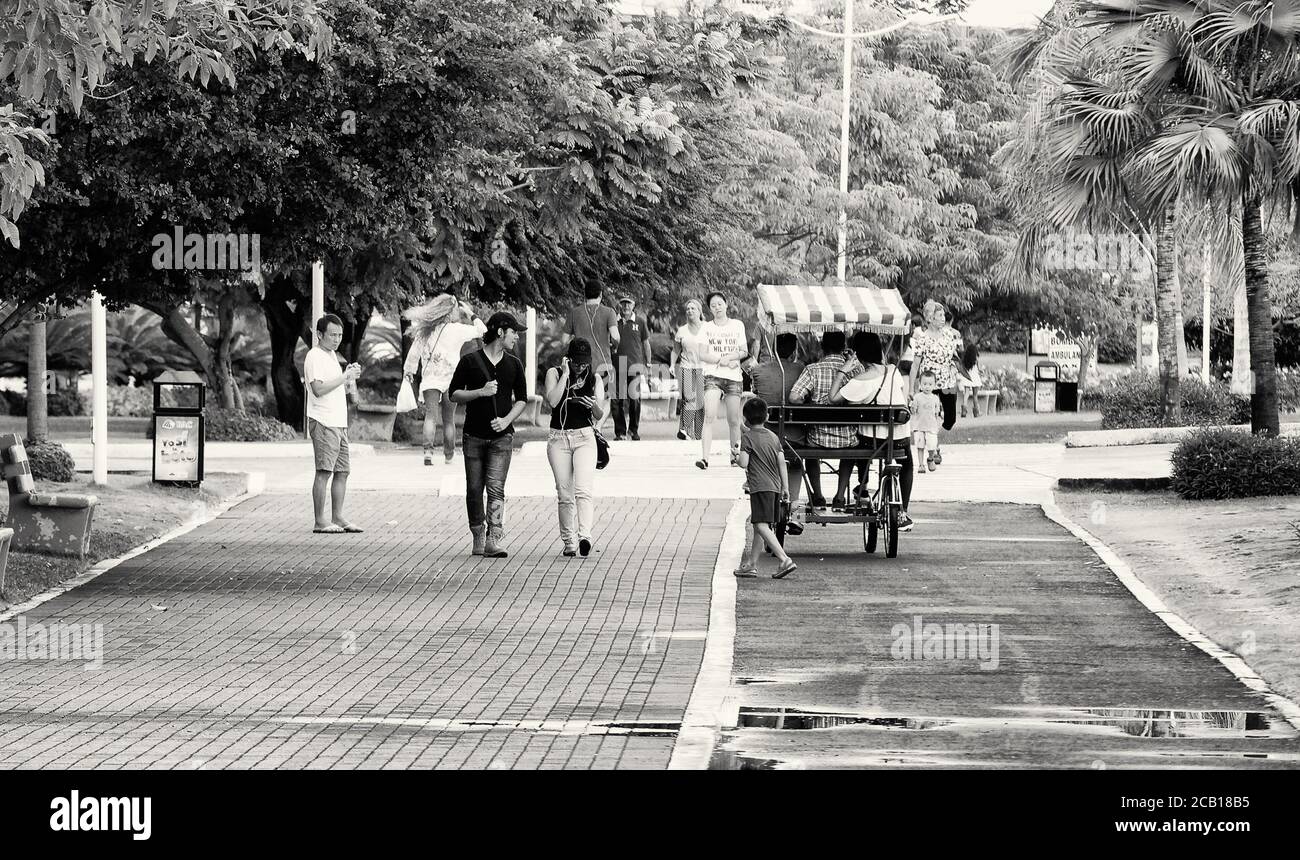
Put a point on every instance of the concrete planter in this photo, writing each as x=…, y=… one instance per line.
x=373, y=422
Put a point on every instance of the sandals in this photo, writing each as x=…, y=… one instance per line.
x=746, y=571
x=785, y=570
x=330, y=529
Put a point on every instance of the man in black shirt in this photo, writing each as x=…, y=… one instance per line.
x=490, y=381
x=633, y=361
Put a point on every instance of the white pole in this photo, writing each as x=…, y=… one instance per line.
x=317, y=298
x=1206, y=313
x=530, y=346
x=99, y=379
x=842, y=261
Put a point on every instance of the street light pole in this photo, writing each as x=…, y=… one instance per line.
x=848, y=36
x=842, y=260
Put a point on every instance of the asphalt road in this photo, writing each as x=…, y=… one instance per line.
x=1079, y=675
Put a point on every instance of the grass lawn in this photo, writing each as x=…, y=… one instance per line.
x=132, y=510
x=1231, y=569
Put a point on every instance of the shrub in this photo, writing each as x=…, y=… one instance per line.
x=257, y=401
x=1134, y=401
x=49, y=461
x=125, y=401
x=231, y=425
x=65, y=402
x=16, y=401
x=1216, y=463
x=1288, y=389
x=1015, y=387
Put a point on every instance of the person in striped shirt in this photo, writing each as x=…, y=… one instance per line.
x=814, y=387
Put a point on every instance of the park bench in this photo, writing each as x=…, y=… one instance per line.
x=986, y=400
x=53, y=523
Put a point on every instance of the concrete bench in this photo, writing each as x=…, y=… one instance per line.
x=52, y=523
x=6, y=538
x=986, y=400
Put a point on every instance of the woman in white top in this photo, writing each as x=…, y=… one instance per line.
x=685, y=363
x=439, y=332
x=872, y=382
x=725, y=348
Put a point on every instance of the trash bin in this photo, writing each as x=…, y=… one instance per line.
x=178, y=428
x=1067, y=396
x=1046, y=378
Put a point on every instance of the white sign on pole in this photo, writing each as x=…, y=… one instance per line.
x=1150, y=348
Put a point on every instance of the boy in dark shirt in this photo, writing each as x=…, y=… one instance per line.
x=760, y=457
x=490, y=381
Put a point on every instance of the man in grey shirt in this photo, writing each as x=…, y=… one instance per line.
x=599, y=325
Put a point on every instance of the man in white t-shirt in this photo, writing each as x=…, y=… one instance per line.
x=327, y=423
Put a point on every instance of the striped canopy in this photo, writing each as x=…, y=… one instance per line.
x=821, y=307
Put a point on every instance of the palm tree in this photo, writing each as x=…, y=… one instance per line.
x=1228, y=73
x=1080, y=148
x=38, y=415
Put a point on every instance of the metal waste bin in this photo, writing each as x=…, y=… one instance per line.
x=1046, y=378
x=178, y=428
x=1067, y=396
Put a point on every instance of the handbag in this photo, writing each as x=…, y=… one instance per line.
x=405, y=396
x=602, y=448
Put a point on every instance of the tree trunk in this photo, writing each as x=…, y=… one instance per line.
x=179, y=330
x=1264, y=416
x=287, y=326
x=1087, y=346
x=227, y=389
x=38, y=414
x=1169, y=302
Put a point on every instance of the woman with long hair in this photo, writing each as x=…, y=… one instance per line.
x=439, y=332
x=685, y=363
x=723, y=381
x=938, y=348
x=970, y=380
x=575, y=393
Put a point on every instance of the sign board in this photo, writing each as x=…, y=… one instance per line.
x=1150, y=348
x=177, y=444
x=1045, y=396
x=1069, y=356
x=1041, y=340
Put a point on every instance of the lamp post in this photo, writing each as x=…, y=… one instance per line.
x=848, y=36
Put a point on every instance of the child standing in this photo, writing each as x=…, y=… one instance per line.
x=760, y=457
x=926, y=411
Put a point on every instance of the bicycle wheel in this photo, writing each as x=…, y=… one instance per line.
x=891, y=531
x=870, y=533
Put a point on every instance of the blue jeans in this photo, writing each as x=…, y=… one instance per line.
x=487, y=462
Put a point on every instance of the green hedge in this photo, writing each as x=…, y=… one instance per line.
x=49, y=461
x=1215, y=463
x=230, y=425
x=1134, y=401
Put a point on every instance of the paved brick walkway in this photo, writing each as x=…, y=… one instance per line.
x=395, y=648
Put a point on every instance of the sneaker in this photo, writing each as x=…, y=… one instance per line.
x=701, y=464
x=618, y=438
x=794, y=528
x=785, y=570
x=837, y=503
x=904, y=522
x=746, y=571
x=933, y=464
x=681, y=434
x=584, y=547
x=569, y=552
x=636, y=437
x=938, y=457
x=818, y=502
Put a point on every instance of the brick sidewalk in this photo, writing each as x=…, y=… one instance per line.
x=394, y=648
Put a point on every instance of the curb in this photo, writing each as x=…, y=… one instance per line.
x=1289, y=710
x=85, y=451
x=713, y=705
x=254, y=485
x=1149, y=435
x=1144, y=484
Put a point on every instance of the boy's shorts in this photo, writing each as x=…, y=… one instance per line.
x=925, y=439
x=763, y=507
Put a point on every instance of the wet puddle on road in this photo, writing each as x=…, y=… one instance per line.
x=757, y=723
x=586, y=728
